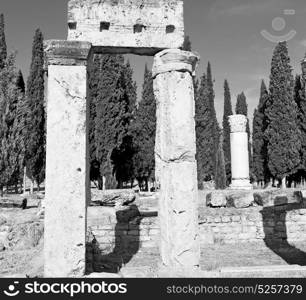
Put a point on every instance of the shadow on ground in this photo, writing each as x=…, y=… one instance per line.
x=127, y=244
x=275, y=229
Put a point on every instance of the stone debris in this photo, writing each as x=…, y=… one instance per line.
x=216, y=199
x=114, y=198
x=240, y=199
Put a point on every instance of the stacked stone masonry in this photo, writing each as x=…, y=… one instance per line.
x=140, y=230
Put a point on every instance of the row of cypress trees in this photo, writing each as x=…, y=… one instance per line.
x=22, y=115
x=122, y=131
x=279, y=147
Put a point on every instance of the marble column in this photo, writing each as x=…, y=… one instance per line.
x=239, y=153
x=176, y=166
x=67, y=162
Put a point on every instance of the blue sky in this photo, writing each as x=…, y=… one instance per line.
x=225, y=32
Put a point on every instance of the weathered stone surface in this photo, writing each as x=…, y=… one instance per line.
x=239, y=153
x=122, y=26
x=216, y=199
x=2, y=247
x=67, y=170
x=115, y=198
x=175, y=159
x=66, y=53
x=25, y=236
x=276, y=198
x=240, y=199
x=174, y=60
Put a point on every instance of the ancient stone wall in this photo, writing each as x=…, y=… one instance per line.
x=120, y=236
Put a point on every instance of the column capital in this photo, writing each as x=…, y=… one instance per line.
x=175, y=60
x=238, y=123
x=66, y=53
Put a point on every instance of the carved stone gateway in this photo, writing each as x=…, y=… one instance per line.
x=120, y=26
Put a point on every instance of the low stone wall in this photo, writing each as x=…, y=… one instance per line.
x=115, y=236
x=271, y=224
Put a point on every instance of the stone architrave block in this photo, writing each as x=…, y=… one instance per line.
x=142, y=27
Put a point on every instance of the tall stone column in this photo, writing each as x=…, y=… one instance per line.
x=67, y=163
x=239, y=153
x=176, y=166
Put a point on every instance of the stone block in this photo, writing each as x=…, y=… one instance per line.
x=216, y=199
x=19, y=202
x=226, y=219
x=276, y=198
x=236, y=218
x=115, y=198
x=240, y=199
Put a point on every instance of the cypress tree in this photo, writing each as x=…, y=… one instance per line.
x=144, y=131
x=113, y=115
x=259, y=165
x=3, y=47
x=20, y=82
x=215, y=126
x=300, y=99
x=242, y=109
x=123, y=155
x=205, y=139
x=282, y=132
x=9, y=97
x=220, y=179
x=94, y=76
x=35, y=156
x=228, y=111
x=21, y=125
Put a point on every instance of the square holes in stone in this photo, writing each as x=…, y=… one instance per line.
x=139, y=28
x=72, y=25
x=170, y=28
x=104, y=26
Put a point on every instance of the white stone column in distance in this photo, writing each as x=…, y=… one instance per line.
x=176, y=167
x=67, y=169
x=239, y=153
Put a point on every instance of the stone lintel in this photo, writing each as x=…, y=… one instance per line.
x=67, y=53
x=238, y=123
x=175, y=60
